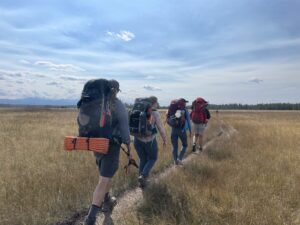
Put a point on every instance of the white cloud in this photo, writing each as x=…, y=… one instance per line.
x=23, y=61
x=150, y=77
x=122, y=35
x=151, y=88
x=53, y=84
x=58, y=67
x=11, y=74
x=69, y=78
x=255, y=80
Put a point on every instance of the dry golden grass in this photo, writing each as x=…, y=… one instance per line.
x=252, y=179
x=40, y=183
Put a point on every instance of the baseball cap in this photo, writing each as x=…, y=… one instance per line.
x=183, y=100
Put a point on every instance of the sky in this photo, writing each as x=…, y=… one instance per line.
x=235, y=51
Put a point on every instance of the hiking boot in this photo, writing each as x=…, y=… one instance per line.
x=180, y=163
x=196, y=152
x=89, y=221
x=108, y=204
x=175, y=162
x=194, y=148
x=200, y=148
x=142, y=181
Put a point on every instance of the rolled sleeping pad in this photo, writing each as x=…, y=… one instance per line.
x=100, y=145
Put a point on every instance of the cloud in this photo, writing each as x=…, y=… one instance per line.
x=53, y=83
x=39, y=75
x=69, y=78
x=151, y=88
x=10, y=74
x=122, y=35
x=255, y=80
x=58, y=67
x=150, y=77
x=23, y=61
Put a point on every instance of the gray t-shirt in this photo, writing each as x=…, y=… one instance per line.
x=120, y=121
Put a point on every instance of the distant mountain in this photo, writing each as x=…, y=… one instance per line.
x=39, y=101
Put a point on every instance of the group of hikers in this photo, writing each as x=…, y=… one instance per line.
x=102, y=114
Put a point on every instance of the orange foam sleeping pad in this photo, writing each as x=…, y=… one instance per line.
x=100, y=145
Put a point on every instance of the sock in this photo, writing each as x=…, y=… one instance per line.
x=194, y=140
x=94, y=209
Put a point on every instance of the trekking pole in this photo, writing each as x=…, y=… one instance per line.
x=131, y=161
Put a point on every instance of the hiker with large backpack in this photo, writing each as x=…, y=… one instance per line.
x=179, y=121
x=102, y=114
x=144, y=121
x=199, y=116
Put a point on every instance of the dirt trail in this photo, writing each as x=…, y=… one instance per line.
x=131, y=198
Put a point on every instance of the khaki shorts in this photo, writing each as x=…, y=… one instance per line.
x=198, y=128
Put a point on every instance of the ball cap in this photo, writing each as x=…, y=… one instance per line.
x=183, y=100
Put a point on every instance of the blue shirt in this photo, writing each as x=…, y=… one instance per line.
x=187, y=125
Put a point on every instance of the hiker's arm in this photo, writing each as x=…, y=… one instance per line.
x=160, y=127
x=188, y=121
x=123, y=123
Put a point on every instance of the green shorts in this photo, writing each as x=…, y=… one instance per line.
x=108, y=164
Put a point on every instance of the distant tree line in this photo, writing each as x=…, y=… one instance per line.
x=235, y=106
x=269, y=106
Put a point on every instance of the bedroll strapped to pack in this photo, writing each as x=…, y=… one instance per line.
x=140, y=117
x=176, y=113
x=100, y=145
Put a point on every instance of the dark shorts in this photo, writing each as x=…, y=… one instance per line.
x=108, y=164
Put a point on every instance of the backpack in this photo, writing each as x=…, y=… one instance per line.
x=140, y=118
x=199, y=114
x=176, y=114
x=94, y=117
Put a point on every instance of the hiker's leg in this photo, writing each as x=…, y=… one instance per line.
x=174, y=141
x=195, y=139
x=195, y=136
x=108, y=166
x=183, y=138
x=98, y=197
x=151, y=149
x=101, y=189
x=200, y=141
x=201, y=132
x=140, y=150
x=107, y=190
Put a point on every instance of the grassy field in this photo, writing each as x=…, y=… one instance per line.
x=253, y=178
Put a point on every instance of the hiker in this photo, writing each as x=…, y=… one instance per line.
x=199, y=116
x=179, y=120
x=146, y=144
x=108, y=163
